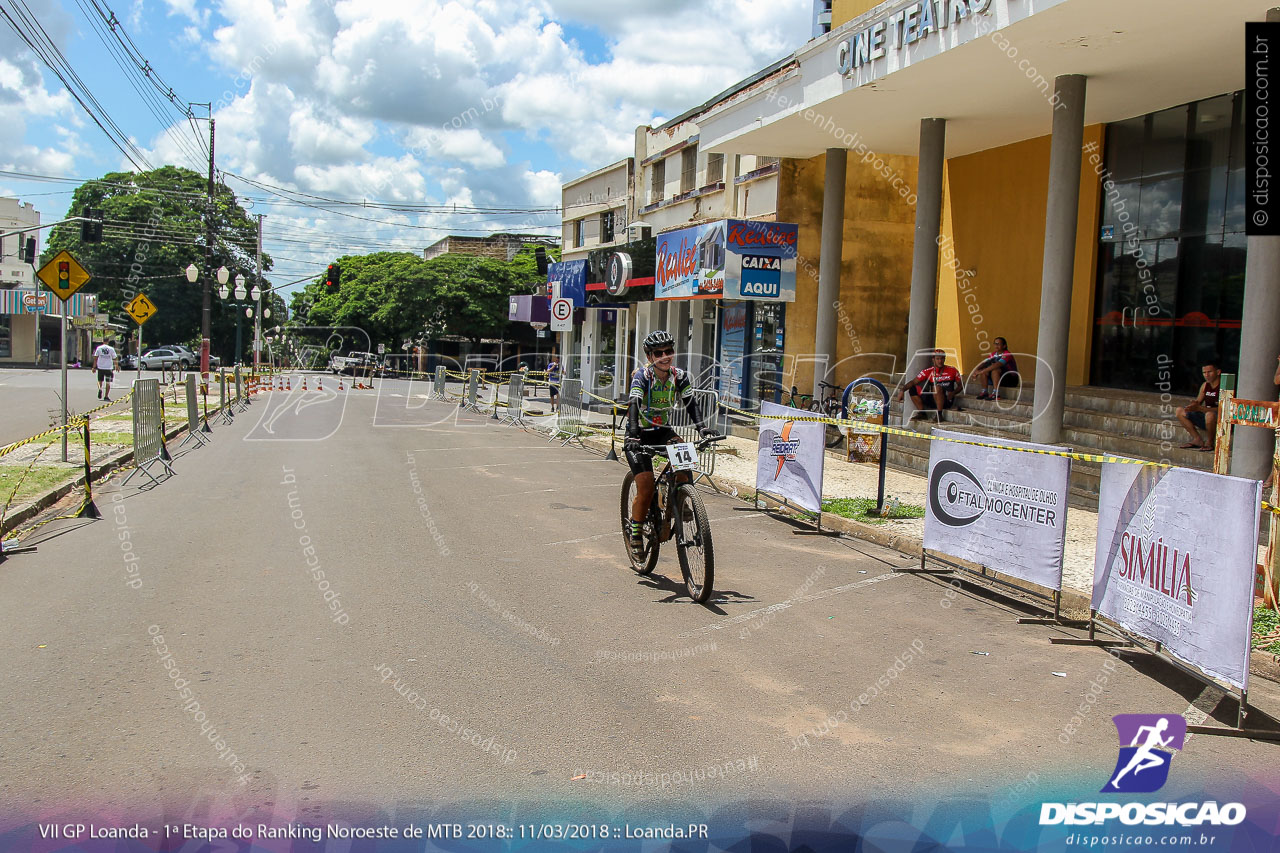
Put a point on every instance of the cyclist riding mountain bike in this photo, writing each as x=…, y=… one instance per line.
x=656, y=388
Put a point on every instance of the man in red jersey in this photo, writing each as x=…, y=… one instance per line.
x=934, y=388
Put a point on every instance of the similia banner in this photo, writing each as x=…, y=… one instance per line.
x=791, y=455
x=1176, y=556
x=997, y=507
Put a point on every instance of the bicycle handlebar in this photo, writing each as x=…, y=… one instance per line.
x=653, y=449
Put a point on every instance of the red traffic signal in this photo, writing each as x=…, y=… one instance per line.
x=333, y=278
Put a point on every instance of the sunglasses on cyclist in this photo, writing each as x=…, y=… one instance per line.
x=659, y=353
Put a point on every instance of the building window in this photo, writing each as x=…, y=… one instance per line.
x=606, y=227
x=715, y=168
x=764, y=162
x=658, y=181
x=688, y=168
x=577, y=233
x=1172, y=247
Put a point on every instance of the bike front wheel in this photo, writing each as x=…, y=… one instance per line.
x=644, y=561
x=693, y=543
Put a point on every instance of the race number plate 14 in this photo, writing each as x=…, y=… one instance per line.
x=684, y=457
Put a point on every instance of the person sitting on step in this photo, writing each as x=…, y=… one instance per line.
x=1202, y=412
x=997, y=368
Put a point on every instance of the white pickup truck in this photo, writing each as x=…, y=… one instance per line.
x=353, y=363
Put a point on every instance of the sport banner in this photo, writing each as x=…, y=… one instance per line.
x=1003, y=509
x=789, y=464
x=1176, y=555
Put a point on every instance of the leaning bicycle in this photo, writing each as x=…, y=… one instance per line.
x=676, y=512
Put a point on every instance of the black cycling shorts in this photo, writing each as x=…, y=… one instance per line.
x=641, y=462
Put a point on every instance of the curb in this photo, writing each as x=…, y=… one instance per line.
x=98, y=472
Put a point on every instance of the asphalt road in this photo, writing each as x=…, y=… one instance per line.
x=481, y=568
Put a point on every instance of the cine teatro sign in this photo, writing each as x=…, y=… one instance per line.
x=906, y=26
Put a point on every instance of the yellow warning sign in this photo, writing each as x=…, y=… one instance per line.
x=141, y=309
x=63, y=275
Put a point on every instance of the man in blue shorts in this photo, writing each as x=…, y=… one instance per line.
x=656, y=388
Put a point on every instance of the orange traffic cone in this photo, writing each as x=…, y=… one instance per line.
x=304, y=383
x=320, y=384
x=340, y=388
x=288, y=384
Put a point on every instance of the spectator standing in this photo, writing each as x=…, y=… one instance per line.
x=106, y=360
x=553, y=380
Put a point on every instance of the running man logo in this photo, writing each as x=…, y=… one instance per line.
x=1143, y=765
x=784, y=447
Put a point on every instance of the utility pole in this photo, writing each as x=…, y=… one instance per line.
x=257, y=317
x=208, y=265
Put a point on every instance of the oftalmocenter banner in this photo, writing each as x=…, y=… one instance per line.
x=1001, y=508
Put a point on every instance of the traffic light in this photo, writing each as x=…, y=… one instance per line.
x=91, y=226
x=540, y=256
x=333, y=279
x=27, y=253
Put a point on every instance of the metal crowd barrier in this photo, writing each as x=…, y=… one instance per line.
x=193, y=414
x=569, y=420
x=472, y=400
x=148, y=429
x=515, y=401
x=709, y=407
x=437, y=388
x=241, y=397
x=223, y=403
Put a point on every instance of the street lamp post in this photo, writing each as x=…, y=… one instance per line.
x=240, y=293
x=193, y=274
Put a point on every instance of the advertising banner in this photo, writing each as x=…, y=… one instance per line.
x=761, y=260
x=572, y=277
x=789, y=464
x=690, y=262
x=1176, y=555
x=1003, y=509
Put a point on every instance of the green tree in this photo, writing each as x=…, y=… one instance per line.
x=154, y=228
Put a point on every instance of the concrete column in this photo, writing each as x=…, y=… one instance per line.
x=1057, y=277
x=621, y=358
x=922, y=322
x=680, y=332
x=1252, y=449
x=698, y=365
x=829, y=263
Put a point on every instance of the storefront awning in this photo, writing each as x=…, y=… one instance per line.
x=990, y=75
x=42, y=302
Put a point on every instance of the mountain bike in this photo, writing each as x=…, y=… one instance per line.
x=800, y=401
x=829, y=408
x=676, y=511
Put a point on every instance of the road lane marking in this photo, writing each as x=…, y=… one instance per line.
x=783, y=605
x=492, y=447
x=572, y=488
x=618, y=532
x=1199, y=709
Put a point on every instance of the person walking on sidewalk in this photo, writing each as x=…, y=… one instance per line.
x=1202, y=412
x=107, y=361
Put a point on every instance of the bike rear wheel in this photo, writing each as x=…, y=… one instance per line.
x=645, y=561
x=693, y=543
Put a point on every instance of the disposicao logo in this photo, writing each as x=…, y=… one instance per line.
x=1148, y=743
x=1143, y=765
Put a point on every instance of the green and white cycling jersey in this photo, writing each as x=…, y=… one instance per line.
x=658, y=398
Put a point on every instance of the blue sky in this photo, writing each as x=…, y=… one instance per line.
x=484, y=102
